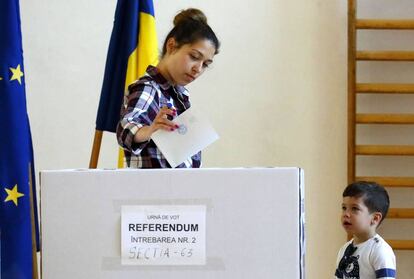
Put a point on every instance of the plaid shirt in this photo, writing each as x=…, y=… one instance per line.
x=145, y=98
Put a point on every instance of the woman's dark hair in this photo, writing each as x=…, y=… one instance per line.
x=190, y=26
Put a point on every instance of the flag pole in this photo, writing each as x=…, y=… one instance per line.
x=32, y=220
x=96, y=147
x=93, y=163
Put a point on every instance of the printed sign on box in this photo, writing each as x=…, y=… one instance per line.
x=163, y=235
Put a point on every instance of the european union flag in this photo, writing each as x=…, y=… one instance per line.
x=16, y=152
x=132, y=48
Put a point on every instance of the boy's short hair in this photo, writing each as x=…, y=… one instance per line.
x=374, y=196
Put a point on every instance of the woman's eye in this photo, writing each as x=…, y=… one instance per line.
x=194, y=57
x=205, y=65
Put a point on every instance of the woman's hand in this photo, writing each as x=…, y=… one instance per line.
x=161, y=121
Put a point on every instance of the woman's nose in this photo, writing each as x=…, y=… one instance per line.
x=197, y=68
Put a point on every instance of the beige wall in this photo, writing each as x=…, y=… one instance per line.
x=276, y=93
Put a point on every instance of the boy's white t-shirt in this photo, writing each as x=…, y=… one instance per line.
x=372, y=259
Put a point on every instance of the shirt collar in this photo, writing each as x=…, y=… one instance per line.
x=163, y=82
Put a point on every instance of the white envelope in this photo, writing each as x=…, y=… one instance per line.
x=194, y=134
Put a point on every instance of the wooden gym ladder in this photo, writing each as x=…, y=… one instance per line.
x=354, y=118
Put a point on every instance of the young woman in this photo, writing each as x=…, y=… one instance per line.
x=160, y=95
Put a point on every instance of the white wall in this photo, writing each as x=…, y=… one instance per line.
x=276, y=93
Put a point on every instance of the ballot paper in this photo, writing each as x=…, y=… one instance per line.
x=194, y=134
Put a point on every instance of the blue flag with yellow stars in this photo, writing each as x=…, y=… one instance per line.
x=16, y=154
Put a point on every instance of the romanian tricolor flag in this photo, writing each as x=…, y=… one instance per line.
x=17, y=199
x=132, y=48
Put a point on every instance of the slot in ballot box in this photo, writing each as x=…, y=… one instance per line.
x=180, y=223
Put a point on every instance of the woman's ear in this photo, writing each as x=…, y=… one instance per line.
x=171, y=45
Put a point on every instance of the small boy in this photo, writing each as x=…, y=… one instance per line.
x=366, y=255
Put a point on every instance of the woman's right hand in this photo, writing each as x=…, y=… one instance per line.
x=161, y=121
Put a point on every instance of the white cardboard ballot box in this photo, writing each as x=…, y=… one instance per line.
x=174, y=223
